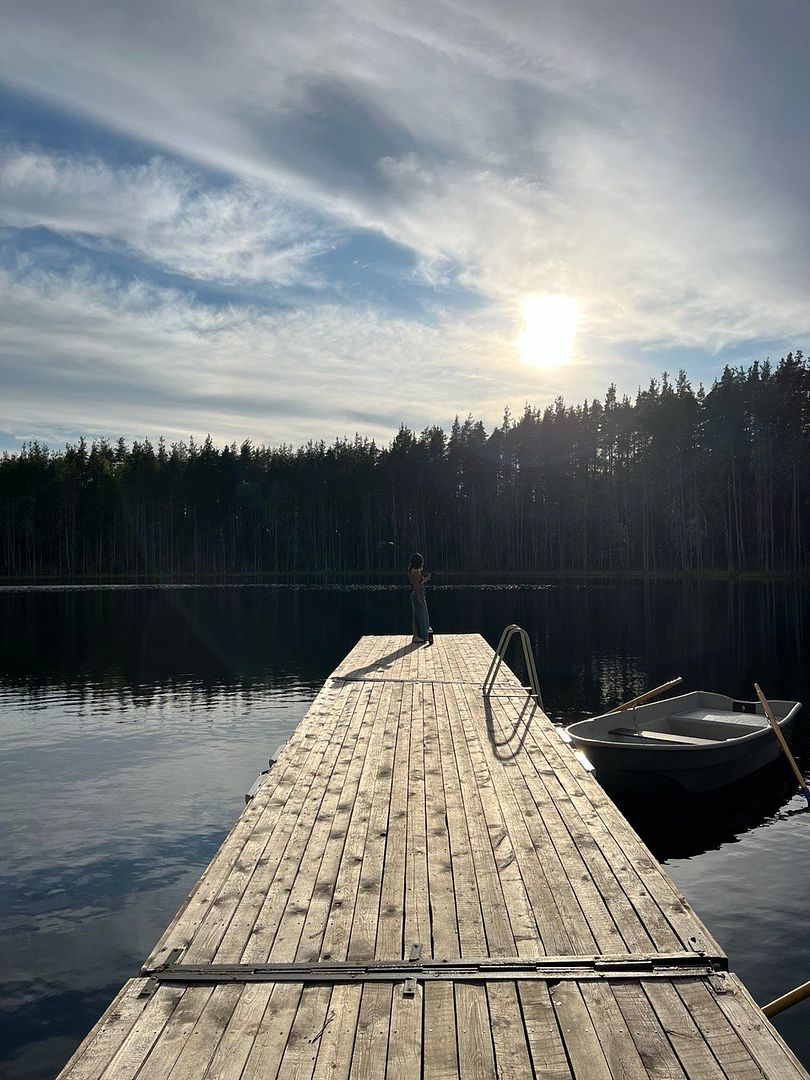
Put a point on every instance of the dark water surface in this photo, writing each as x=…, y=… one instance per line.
x=132, y=721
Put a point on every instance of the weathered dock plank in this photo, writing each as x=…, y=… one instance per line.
x=408, y=821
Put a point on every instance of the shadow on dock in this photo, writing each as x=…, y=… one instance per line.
x=384, y=663
x=507, y=749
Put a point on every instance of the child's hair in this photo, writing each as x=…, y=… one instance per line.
x=417, y=562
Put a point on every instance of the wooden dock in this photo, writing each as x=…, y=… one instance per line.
x=428, y=883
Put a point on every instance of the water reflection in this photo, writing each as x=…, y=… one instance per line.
x=677, y=825
x=133, y=720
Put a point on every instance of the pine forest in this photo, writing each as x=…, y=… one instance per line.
x=675, y=480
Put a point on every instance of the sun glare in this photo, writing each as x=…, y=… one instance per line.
x=547, y=340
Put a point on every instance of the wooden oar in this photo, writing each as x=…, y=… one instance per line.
x=648, y=696
x=782, y=741
x=786, y=1000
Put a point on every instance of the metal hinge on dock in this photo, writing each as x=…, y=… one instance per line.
x=153, y=981
x=486, y=969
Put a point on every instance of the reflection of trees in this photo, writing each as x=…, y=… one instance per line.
x=601, y=643
x=674, y=480
x=183, y=641
x=597, y=643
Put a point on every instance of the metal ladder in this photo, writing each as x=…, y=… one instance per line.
x=533, y=689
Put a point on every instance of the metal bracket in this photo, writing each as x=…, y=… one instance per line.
x=275, y=754
x=257, y=783
x=172, y=956
x=720, y=984
x=698, y=945
x=639, y=965
x=416, y=952
x=486, y=969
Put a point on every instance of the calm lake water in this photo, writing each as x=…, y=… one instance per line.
x=132, y=721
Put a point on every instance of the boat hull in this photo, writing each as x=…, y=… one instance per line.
x=645, y=762
x=712, y=768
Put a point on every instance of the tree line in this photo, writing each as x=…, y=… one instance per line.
x=672, y=480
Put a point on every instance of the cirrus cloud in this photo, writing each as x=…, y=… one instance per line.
x=158, y=211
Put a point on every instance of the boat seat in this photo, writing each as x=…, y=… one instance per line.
x=751, y=721
x=663, y=736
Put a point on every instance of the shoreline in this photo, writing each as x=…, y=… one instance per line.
x=514, y=578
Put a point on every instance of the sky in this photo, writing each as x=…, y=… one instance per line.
x=292, y=221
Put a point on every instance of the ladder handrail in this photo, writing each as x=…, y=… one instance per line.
x=528, y=656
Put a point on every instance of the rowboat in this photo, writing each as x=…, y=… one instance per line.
x=698, y=741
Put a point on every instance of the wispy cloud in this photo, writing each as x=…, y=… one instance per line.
x=232, y=233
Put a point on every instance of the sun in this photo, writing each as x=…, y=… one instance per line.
x=547, y=340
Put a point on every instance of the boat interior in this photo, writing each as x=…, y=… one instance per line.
x=694, y=719
x=692, y=727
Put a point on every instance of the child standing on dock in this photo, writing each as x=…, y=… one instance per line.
x=422, y=631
